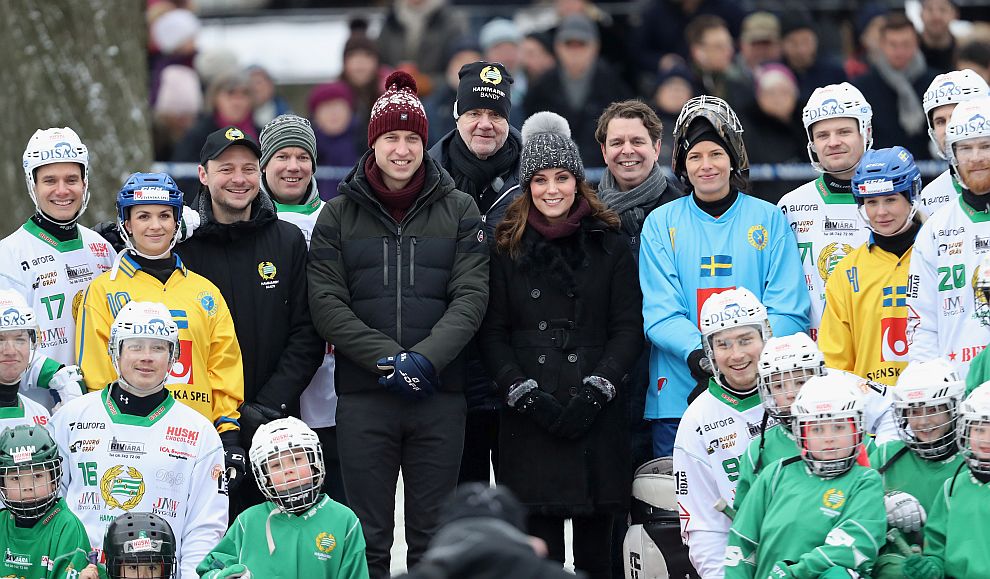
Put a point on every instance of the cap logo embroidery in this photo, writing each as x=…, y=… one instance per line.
x=233, y=134
x=403, y=116
x=491, y=75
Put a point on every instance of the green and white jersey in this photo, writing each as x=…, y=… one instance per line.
x=169, y=463
x=909, y=473
x=54, y=548
x=52, y=275
x=956, y=531
x=791, y=514
x=325, y=542
x=27, y=412
x=942, y=190
x=777, y=443
x=827, y=227
x=318, y=403
x=941, y=310
x=713, y=433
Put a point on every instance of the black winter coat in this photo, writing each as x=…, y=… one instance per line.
x=259, y=265
x=565, y=309
x=378, y=287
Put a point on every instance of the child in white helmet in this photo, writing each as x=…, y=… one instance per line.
x=955, y=538
x=820, y=515
x=299, y=531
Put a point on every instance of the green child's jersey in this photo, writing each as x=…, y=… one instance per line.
x=777, y=443
x=325, y=542
x=54, y=548
x=910, y=473
x=955, y=532
x=791, y=514
x=979, y=371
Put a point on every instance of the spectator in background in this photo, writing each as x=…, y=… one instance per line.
x=899, y=77
x=711, y=49
x=673, y=90
x=482, y=155
x=799, y=47
x=178, y=103
x=501, y=42
x=938, y=45
x=612, y=34
x=228, y=103
x=536, y=56
x=268, y=104
x=660, y=41
x=440, y=105
x=362, y=71
x=866, y=28
x=774, y=133
x=759, y=44
x=975, y=55
x=416, y=36
x=338, y=142
x=173, y=33
x=580, y=87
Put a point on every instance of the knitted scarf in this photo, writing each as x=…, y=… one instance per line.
x=396, y=202
x=565, y=228
x=473, y=175
x=631, y=205
x=910, y=113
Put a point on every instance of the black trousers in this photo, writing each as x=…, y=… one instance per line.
x=592, y=541
x=377, y=434
x=333, y=482
x=480, y=455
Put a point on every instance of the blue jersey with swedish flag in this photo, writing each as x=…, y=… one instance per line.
x=209, y=374
x=686, y=256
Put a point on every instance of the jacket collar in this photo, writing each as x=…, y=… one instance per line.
x=356, y=187
x=262, y=214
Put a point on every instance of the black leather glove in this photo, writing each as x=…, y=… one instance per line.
x=233, y=457
x=580, y=413
x=253, y=415
x=542, y=407
x=700, y=366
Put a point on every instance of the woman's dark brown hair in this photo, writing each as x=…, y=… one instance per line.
x=509, y=233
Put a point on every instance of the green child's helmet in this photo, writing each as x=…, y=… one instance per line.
x=24, y=451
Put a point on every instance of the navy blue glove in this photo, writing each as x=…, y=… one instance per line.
x=410, y=375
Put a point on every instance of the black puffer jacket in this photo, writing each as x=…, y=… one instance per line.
x=259, y=265
x=378, y=287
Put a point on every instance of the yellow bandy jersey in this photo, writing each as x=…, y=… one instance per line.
x=208, y=376
x=864, y=328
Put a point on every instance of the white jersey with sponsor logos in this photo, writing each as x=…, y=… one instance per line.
x=714, y=432
x=318, y=403
x=828, y=227
x=941, y=191
x=52, y=275
x=941, y=305
x=169, y=463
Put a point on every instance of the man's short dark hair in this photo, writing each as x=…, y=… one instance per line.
x=629, y=109
x=895, y=20
x=698, y=26
x=977, y=51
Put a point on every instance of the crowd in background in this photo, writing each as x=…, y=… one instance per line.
x=764, y=64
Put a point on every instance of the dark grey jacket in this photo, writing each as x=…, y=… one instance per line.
x=378, y=287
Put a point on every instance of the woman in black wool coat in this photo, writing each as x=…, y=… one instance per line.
x=564, y=324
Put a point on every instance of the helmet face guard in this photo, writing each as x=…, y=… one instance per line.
x=981, y=292
x=287, y=461
x=973, y=430
x=936, y=439
x=25, y=452
x=724, y=122
x=828, y=423
x=141, y=540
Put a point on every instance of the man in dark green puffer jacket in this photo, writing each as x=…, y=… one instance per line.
x=399, y=284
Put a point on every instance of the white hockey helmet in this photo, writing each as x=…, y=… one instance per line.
x=143, y=320
x=17, y=315
x=837, y=101
x=786, y=364
x=969, y=120
x=974, y=412
x=56, y=145
x=951, y=88
x=935, y=389
x=731, y=308
x=834, y=397
x=287, y=445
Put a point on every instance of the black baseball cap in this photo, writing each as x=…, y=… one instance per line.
x=218, y=141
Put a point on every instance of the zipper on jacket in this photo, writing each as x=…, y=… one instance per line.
x=385, y=258
x=412, y=262
x=398, y=284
